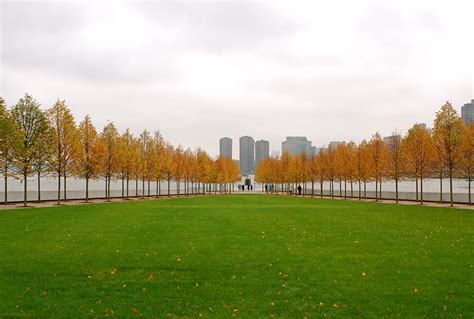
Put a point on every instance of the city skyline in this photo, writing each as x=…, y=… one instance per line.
x=174, y=67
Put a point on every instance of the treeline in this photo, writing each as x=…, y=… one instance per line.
x=445, y=151
x=50, y=143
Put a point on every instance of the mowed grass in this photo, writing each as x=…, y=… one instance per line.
x=249, y=256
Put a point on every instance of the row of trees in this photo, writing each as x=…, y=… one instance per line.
x=49, y=143
x=445, y=151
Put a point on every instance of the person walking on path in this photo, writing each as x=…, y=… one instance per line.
x=299, y=189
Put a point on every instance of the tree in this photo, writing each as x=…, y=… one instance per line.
x=419, y=150
x=9, y=141
x=41, y=164
x=449, y=132
x=468, y=157
x=32, y=125
x=90, y=152
x=65, y=142
x=109, y=138
x=396, y=160
x=378, y=161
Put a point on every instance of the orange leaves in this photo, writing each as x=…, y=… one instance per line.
x=150, y=277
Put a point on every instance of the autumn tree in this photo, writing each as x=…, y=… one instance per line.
x=65, y=141
x=419, y=151
x=468, y=158
x=396, y=160
x=90, y=152
x=32, y=125
x=9, y=142
x=449, y=132
x=109, y=137
x=378, y=160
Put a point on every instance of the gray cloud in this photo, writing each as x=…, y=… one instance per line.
x=201, y=70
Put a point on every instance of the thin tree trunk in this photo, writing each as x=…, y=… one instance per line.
x=451, y=186
x=59, y=187
x=345, y=189
x=469, y=187
x=65, y=186
x=128, y=182
x=440, y=186
x=416, y=189
x=168, y=187
x=359, y=191
x=25, y=190
x=136, y=186
x=87, y=189
x=396, y=189
x=376, y=189
x=421, y=187
x=39, y=186
x=6, y=187
x=123, y=186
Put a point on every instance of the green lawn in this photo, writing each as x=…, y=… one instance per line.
x=244, y=255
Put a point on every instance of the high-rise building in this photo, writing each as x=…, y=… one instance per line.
x=225, y=147
x=335, y=144
x=296, y=145
x=467, y=113
x=262, y=151
x=392, y=142
x=275, y=153
x=247, y=155
x=312, y=151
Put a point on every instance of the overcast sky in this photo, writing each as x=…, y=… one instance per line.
x=198, y=71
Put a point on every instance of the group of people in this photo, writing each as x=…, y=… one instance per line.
x=242, y=187
x=271, y=187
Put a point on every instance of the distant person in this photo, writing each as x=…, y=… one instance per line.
x=299, y=189
x=266, y=188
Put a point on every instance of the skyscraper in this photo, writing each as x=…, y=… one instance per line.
x=262, y=151
x=296, y=145
x=247, y=155
x=334, y=144
x=467, y=113
x=225, y=147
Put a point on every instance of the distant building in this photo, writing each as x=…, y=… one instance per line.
x=247, y=155
x=312, y=151
x=296, y=145
x=422, y=125
x=467, y=113
x=319, y=150
x=275, y=154
x=225, y=147
x=335, y=144
x=392, y=141
x=262, y=151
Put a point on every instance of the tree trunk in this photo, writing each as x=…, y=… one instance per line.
x=421, y=187
x=87, y=189
x=376, y=189
x=25, y=190
x=39, y=187
x=123, y=186
x=441, y=186
x=128, y=182
x=345, y=189
x=169, y=187
x=396, y=189
x=451, y=186
x=108, y=188
x=416, y=189
x=136, y=186
x=469, y=187
x=65, y=186
x=6, y=187
x=59, y=187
